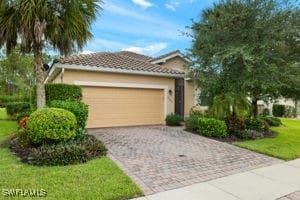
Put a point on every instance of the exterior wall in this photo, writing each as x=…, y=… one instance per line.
x=71, y=76
x=189, y=87
x=58, y=78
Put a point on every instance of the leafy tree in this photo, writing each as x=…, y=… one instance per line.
x=64, y=24
x=240, y=47
x=16, y=72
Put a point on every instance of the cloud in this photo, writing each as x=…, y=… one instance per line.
x=142, y=3
x=87, y=52
x=147, y=50
x=172, y=5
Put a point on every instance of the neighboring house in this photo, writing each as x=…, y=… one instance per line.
x=125, y=88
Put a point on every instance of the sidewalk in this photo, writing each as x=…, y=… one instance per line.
x=280, y=181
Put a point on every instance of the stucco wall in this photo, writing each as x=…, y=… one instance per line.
x=70, y=76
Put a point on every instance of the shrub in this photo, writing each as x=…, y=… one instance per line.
x=266, y=112
x=5, y=99
x=191, y=123
x=250, y=134
x=255, y=124
x=272, y=121
x=79, y=109
x=173, y=119
x=15, y=108
x=211, y=127
x=64, y=153
x=197, y=112
x=278, y=110
x=51, y=125
x=235, y=124
x=59, y=91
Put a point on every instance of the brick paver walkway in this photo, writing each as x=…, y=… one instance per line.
x=160, y=158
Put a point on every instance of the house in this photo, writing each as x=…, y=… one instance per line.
x=126, y=88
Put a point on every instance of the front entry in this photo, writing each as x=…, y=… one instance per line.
x=179, y=96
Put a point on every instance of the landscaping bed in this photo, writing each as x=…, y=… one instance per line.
x=99, y=178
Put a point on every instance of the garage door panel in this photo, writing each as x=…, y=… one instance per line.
x=110, y=106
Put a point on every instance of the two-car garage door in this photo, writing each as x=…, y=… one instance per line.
x=115, y=106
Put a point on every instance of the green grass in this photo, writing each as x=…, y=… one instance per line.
x=286, y=145
x=98, y=179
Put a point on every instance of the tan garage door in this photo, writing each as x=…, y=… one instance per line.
x=111, y=106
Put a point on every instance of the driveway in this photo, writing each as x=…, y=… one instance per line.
x=160, y=158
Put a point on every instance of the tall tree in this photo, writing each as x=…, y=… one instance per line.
x=64, y=24
x=239, y=47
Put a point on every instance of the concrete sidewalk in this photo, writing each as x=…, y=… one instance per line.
x=268, y=183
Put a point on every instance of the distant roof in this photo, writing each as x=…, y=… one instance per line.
x=123, y=60
x=168, y=56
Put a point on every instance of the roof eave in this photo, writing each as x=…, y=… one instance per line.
x=110, y=70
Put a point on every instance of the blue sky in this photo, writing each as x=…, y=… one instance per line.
x=150, y=27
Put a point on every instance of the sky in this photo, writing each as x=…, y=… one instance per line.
x=150, y=27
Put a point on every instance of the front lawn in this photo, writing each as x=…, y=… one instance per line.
x=286, y=145
x=97, y=179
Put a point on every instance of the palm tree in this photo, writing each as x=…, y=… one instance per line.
x=64, y=24
x=229, y=104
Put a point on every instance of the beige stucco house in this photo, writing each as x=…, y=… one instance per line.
x=128, y=89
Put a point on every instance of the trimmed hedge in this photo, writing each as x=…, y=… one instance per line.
x=211, y=127
x=13, y=109
x=6, y=99
x=79, y=109
x=64, y=153
x=278, y=110
x=59, y=91
x=173, y=119
x=50, y=125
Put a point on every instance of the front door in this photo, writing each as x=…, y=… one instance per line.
x=179, y=96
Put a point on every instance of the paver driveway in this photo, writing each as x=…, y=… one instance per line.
x=160, y=158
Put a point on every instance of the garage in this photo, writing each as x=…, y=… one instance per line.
x=119, y=106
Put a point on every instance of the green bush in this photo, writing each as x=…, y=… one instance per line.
x=197, y=112
x=64, y=153
x=256, y=124
x=15, y=108
x=250, y=134
x=191, y=123
x=5, y=99
x=59, y=91
x=51, y=125
x=272, y=121
x=79, y=109
x=173, y=119
x=235, y=124
x=266, y=112
x=211, y=127
x=278, y=110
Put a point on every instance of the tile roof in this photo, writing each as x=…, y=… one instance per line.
x=123, y=60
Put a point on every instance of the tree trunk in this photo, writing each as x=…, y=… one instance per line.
x=39, y=28
x=39, y=77
x=254, y=108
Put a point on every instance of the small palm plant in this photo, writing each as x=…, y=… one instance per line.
x=229, y=104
